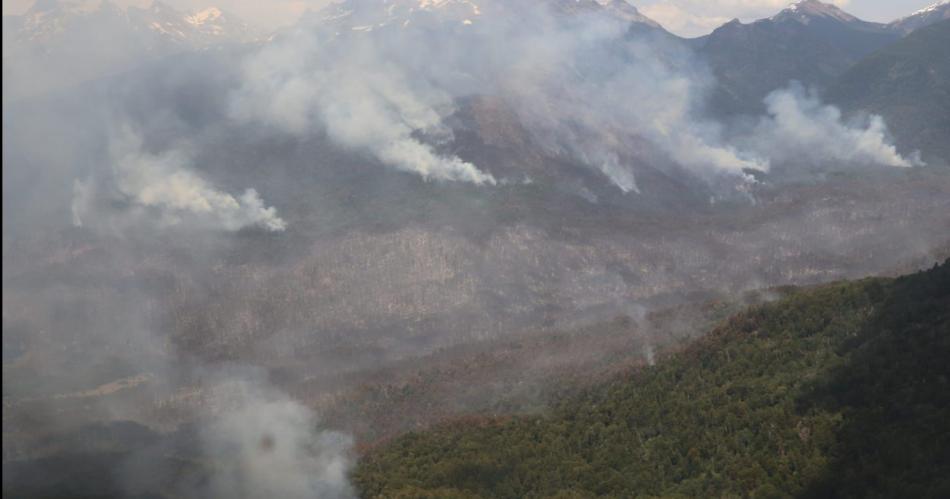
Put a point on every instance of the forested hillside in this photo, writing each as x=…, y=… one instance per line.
x=908, y=83
x=837, y=391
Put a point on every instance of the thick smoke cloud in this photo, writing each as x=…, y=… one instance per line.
x=361, y=100
x=588, y=91
x=585, y=86
x=596, y=90
x=800, y=128
x=265, y=444
x=162, y=188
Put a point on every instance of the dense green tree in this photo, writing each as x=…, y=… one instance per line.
x=837, y=391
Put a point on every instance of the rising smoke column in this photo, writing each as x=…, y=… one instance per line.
x=161, y=187
x=800, y=128
x=305, y=82
x=583, y=85
x=265, y=444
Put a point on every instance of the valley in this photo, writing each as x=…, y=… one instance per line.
x=472, y=249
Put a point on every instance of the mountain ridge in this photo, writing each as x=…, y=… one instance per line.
x=46, y=20
x=810, y=42
x=363, y=15
x=922, y=18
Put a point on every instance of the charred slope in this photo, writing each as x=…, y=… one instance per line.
x=837, y=391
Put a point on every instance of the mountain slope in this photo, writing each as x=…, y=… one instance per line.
x=811, y=42
x=366, y=15
x=937, y=12
x=907, y=83
x=838, y=391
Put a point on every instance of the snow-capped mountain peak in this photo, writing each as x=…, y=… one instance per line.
x=215, y=23
x=55, y=22
x=204, y=16
x=368, y=15
x=933, y=8
x=805, y=11
x=923, y=17
x=624, y=10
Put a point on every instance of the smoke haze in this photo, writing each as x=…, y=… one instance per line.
x=254, y=249
x=801, y=128
x=162, y=190
x=266, y=445
x=586, y=86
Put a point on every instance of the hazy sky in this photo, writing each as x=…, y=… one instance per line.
x=684, y=17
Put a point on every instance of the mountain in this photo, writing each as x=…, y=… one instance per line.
x=58, y=42
x=908, y=83
x=814, y=11
x=216, y=25
x=811, y=42
x=393, y=297
x=366, y=15
x=624, y=10
x=937, y=12
x=199, y=29
x=52, y=23
x=836, y=391
x=477, y=50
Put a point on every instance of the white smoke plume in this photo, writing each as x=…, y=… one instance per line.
x=582, y=84
x=800, y=128
x=162, y=186
x=362, y=101
x=597, y=91
x=265, y=444
x=82, y=201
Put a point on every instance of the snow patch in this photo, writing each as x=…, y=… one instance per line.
x=204, y=16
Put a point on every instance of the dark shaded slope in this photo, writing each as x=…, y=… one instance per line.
x=752, y=60
x=894, y=396
x=909, y=84
x=837, y=391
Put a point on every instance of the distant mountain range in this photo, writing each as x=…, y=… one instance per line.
x=57, y=43
x=366, y=15
x=810, y=41
x=49, y=24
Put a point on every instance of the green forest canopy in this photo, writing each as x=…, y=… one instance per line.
x=837, y=391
